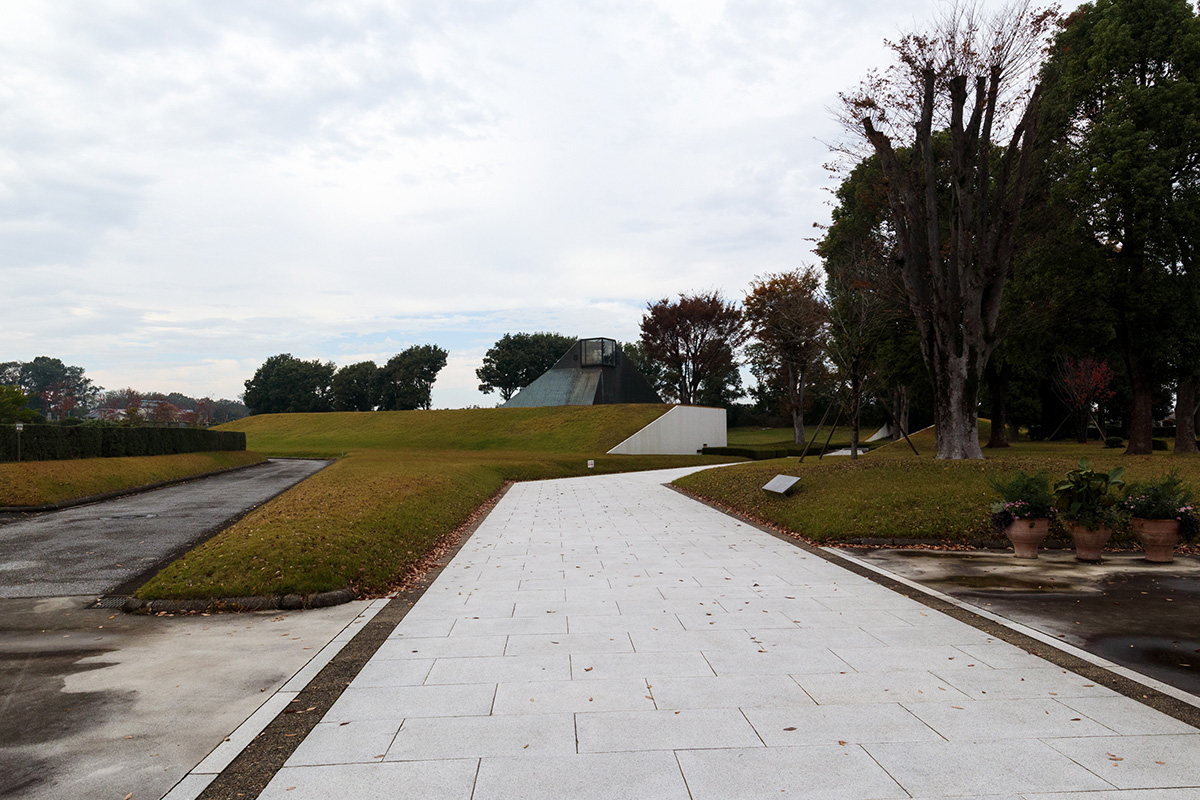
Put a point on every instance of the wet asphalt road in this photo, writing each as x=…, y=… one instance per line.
x=109, y=547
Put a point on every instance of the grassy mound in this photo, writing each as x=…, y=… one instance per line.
x=565, y=429
x=408, y=479
x=35, y=483
x=892, y=493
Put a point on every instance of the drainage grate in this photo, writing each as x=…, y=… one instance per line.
x=111, y=601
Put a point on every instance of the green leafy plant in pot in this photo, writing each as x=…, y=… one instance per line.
x=1023, y=511
x=1087, y=503
x=1163, y=513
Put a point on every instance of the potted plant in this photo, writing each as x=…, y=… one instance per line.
x=1163, y=513
x=1023, y=511
x=1087, y=504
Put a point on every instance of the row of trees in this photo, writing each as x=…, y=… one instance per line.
x=286, y=384
x=47, y=389
x=1074, y=238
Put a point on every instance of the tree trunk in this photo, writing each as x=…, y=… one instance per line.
x=855, y=406
x=899, y=412
x=796, y=390
x=1185, y=415
x=997, y=383
x=955, y=406
x=1141, y=412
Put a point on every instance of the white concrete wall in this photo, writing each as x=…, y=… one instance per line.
x=681, y=431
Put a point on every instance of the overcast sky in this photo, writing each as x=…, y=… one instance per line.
x=187, y=188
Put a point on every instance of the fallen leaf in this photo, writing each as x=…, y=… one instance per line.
x=792, y=728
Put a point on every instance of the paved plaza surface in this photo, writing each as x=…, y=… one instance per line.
x=96, y=703
x=607, y=637
x=95, y=548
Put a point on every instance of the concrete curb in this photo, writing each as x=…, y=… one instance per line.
x=149, y=487
x=285, y=602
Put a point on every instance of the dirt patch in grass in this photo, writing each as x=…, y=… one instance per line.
x=36, y=483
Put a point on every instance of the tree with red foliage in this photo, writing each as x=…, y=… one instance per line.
x=695, y=339
x=1082, y=384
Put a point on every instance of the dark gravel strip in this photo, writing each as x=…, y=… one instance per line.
x=249, y=773
x=1172, y=707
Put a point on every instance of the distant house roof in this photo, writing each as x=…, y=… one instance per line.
x=592, y=372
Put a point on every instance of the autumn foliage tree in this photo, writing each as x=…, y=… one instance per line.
x=695, y=339
x=955, y=196
x=1082, y=384
x=786, y=315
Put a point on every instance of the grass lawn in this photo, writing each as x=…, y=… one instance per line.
x=407, y=479
x=35, y=483
x=891, y=492
x=784, y=437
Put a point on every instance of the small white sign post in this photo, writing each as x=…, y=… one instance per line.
x=20, y=426
x=780, y=484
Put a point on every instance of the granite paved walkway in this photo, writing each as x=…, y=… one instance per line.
x=606, y=637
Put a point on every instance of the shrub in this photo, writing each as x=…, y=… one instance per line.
x=1113, y=442
x=57, y=443
x=1023, y=496
x=1158, y=444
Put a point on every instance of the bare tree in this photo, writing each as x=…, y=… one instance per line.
x=787, y=316
x=955, y=196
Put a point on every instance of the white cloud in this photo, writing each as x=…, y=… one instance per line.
x=188, y=188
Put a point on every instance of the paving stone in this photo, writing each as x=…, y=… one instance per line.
x=549, y=643
x=500, y=668
x=441, y=647
x=542, y=697
x=438, y=780
x=395, y=672
x=686, y=729
x=1006, y=719
x=1138, y=762
x=874, y=687
x=821, y=773
x=360, y=703
x=587, y=776
x=946, y=769
x=736, y=691
x=526, y=736
x=1006, y=684
x=359, y=742
x=602, y=666
x=790, y=726
x=1125, y=715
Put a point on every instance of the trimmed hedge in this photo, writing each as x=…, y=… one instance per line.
x=58, y=443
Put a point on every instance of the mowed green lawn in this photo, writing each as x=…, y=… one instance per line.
x=408, y=478
x=892, y=493
x=35, y=483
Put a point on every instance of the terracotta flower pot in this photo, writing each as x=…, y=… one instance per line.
x=1089, y=542
x=1158, y=537
x=1026, y=535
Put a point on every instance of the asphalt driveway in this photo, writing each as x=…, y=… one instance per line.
x=109, y=547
